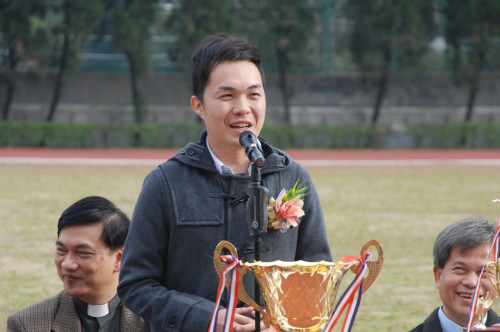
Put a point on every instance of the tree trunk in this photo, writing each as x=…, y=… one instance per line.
x=9, y=79
x=282, y=68
x=474, y=87
x=59, y=78
x=9, y=96
x=471, y=101
x=382, y=87
x=136, y=95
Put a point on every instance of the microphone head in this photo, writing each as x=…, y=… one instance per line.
x=246, y=137
x=253, y=148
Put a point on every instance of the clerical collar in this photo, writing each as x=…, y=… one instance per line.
x=450, y=326
x=97, y=310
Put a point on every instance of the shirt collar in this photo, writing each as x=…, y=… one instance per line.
x=99, y=310
x=221, y=168
x=450, y=326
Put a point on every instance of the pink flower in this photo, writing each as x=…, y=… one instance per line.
x=286, y=210
x=291, y=210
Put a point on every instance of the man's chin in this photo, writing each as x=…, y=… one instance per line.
x=73, y=291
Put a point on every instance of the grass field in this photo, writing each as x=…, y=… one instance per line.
x=403, y=207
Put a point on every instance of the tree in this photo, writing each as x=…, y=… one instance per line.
x=388, y=33
x=191, y=20
x=283, y=33
x=132, y=23
x=77, y=19
x=472, y=30
x=23, y=35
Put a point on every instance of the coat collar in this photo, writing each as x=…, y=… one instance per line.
x=431, y=324
x=198, y=155
x=67, y=319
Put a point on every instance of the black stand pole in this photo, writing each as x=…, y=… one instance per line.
x=257, y=222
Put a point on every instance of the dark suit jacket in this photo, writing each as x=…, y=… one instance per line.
x=58, y=314
x=432, y=324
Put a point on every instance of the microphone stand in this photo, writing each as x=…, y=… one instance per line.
x=257, y=222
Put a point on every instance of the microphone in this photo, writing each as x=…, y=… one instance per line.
x=253, y=149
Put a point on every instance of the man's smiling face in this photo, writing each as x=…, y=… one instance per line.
x=233, y=102
x=457, y=280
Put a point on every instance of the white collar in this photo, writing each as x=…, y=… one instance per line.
x=97, y=310
x=218, y=163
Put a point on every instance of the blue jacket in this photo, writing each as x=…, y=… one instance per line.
x=184, y=210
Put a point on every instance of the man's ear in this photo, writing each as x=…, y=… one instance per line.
x=197, y=106
x=437, y=276
x=118, y=262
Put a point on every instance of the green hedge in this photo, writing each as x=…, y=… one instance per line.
x=324, y=136
x=453, y=135
x=76, y=135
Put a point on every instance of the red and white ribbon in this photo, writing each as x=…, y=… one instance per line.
x=232, y=299
x=351, y=297
x=475, y=297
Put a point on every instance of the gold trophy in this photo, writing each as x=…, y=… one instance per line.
x=484, y=304
x=299, y=295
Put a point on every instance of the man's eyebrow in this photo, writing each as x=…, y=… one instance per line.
x=230, y=88
x=461, y=263
x=83, y=246
x=226, y=88
x=255, y=86
x=78, y=246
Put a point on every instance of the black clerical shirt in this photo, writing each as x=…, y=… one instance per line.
x=106, y=323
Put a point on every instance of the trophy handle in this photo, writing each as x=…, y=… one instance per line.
x=493, y=283
x=374, y=267
x=242, y=293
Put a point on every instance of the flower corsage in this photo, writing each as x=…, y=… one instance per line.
x=286, y=210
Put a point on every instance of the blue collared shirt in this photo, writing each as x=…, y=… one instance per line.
x=221, y=168
x=450, y=326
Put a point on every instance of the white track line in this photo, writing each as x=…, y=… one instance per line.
x=310, y=163
x=80, y=161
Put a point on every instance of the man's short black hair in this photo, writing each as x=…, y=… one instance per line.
x=215, y=49
x=96, y=209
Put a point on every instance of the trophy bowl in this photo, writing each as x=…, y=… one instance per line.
x=298, y=295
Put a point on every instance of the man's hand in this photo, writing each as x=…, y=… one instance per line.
x=242, y=321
